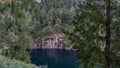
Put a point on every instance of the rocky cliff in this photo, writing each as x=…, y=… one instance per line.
x=55, y=41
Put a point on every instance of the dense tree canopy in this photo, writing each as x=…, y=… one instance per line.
x=26, y=22
x=89, y=33
x=16, y=25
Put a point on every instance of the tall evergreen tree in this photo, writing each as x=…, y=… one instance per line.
x=108, y=33
x=16, y=26
x=89, y=33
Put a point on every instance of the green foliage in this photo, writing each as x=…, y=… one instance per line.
x=54, y=17
x=16, y=25
x=22, y=25
x=88, y=34
x=8, y=63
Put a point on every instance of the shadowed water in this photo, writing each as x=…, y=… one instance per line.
x=54, y=58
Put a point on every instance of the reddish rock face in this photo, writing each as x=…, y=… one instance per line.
x=55, y=41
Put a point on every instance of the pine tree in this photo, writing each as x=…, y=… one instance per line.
x=108, y=34
x=89, y=34
x=16, y=26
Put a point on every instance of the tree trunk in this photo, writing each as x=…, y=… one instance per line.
x=107, y=48
x=85, y=63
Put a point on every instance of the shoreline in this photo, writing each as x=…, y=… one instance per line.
x=51, y=49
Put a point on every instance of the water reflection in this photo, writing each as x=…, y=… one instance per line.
x=54, y=58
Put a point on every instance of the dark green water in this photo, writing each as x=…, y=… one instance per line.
x=54, y=58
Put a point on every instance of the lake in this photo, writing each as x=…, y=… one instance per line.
x=54, y=58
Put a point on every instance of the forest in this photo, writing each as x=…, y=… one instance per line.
x=90, y=27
